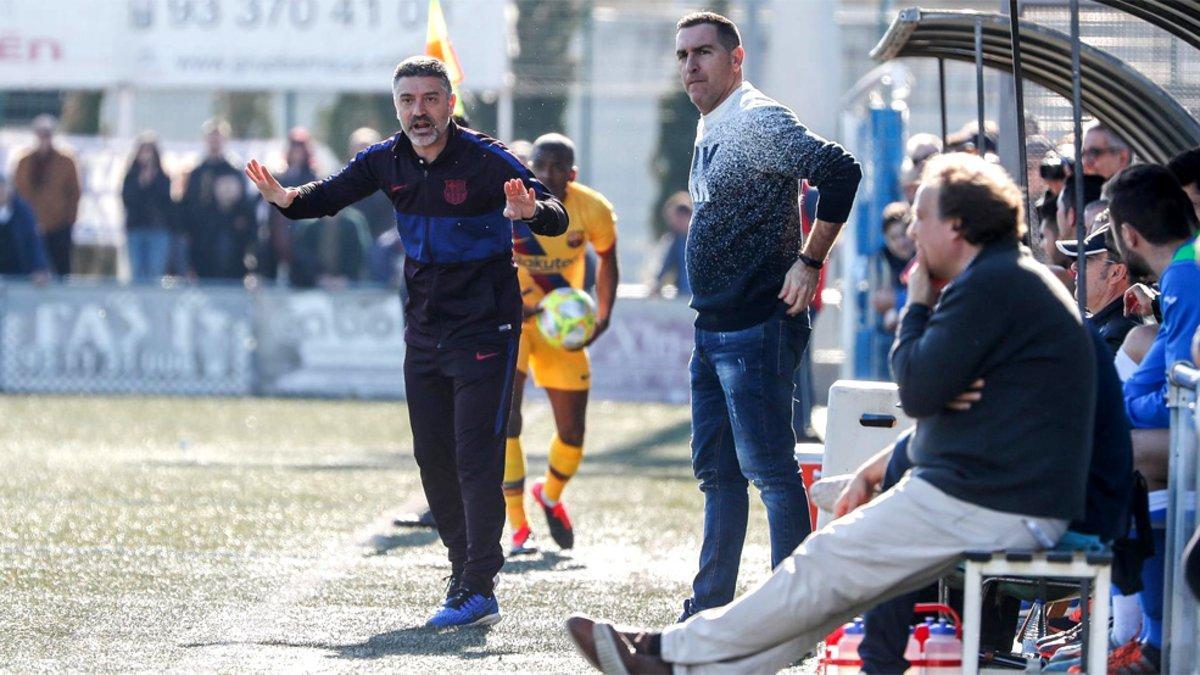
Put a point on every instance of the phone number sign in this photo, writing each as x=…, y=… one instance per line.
x=304, y=45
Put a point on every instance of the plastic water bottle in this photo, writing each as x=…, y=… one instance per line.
x=914, y=653
x=827, y=665
x=943, y=650
x=847, y=653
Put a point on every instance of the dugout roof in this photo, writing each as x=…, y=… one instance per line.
x=1181, y=18
x=1140, y=111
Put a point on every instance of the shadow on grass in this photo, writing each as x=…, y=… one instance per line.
x=423, y=642
x=382, y=544
x=464, y=643
x=542, y=561
x=643, y=453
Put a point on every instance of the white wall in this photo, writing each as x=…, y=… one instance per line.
x=802, y=67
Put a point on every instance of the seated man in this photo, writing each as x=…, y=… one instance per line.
x=1155, y=225
x=1107, y=512
x=1106, y=279
x=978, y=474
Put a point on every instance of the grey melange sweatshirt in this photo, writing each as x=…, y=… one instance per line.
x=751, y=152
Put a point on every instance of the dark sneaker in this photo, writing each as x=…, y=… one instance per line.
x=416, y=520
x=464, y=607
x=611, y=651
x=556, y=518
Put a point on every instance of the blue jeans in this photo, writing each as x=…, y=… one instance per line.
x=742, y=433
x=804, y=398
x=148, y=253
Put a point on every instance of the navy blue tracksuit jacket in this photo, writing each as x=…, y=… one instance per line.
x=462, y=320
x=462, y=284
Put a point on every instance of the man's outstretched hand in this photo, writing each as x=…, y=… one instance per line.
x=520, y=204
x=270, y=188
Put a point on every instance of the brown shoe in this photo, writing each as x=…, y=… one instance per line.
x=610, y=651
x=580, y=630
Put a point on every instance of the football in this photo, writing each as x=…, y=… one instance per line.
x=567, y=318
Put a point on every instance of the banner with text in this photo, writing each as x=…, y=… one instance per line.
x=644, y=355
x=126, y=340
x=330, y=344
x=228, y=341
x=303, y=45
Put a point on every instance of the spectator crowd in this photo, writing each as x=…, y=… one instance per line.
x=1138, y=289
x=987, y=336
x=203, y=225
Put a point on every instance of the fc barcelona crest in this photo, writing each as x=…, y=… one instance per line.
x=455, y=191
x=575, y=239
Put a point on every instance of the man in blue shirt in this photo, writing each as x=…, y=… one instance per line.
x=1155, y=224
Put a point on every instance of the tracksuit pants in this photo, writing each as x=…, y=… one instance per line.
x=458, y=404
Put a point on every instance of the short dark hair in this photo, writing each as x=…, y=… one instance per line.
x=896, y=212
x=422, y=66
x=1186, y=166
x=556, y=144
x=1148, y=198
x=679, y=200
x=727, y=31
x=986, y=201
x=1092, y=186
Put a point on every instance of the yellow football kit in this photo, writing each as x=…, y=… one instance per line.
x=543, y=264
x=546, y=263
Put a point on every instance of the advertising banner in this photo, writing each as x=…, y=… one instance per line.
x=644, y=355
x=227, y=341
x=126, y=340
x=348, y=343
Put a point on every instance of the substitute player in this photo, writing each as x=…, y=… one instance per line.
x=457, y=194
x=547, y=263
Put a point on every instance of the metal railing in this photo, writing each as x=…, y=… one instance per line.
x=1181, y=613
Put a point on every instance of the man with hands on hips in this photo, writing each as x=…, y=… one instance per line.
x=752, y=275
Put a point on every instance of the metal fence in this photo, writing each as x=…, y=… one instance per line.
x=227, y=341
x=1181, y=613
x=1163, y=58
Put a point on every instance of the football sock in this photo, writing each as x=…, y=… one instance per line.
x=564, y=462
x=1127, y=617
x=514, y=483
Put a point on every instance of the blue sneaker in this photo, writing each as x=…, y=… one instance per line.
x=465, y=607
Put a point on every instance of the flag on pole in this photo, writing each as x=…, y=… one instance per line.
x=439, y=46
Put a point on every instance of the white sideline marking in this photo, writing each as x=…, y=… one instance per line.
x=231, y=629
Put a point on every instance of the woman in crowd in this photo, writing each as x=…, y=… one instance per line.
x=146, y=194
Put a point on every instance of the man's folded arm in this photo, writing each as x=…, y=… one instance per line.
x=938, y=354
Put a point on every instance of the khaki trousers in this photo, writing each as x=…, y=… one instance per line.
x=904, y=539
